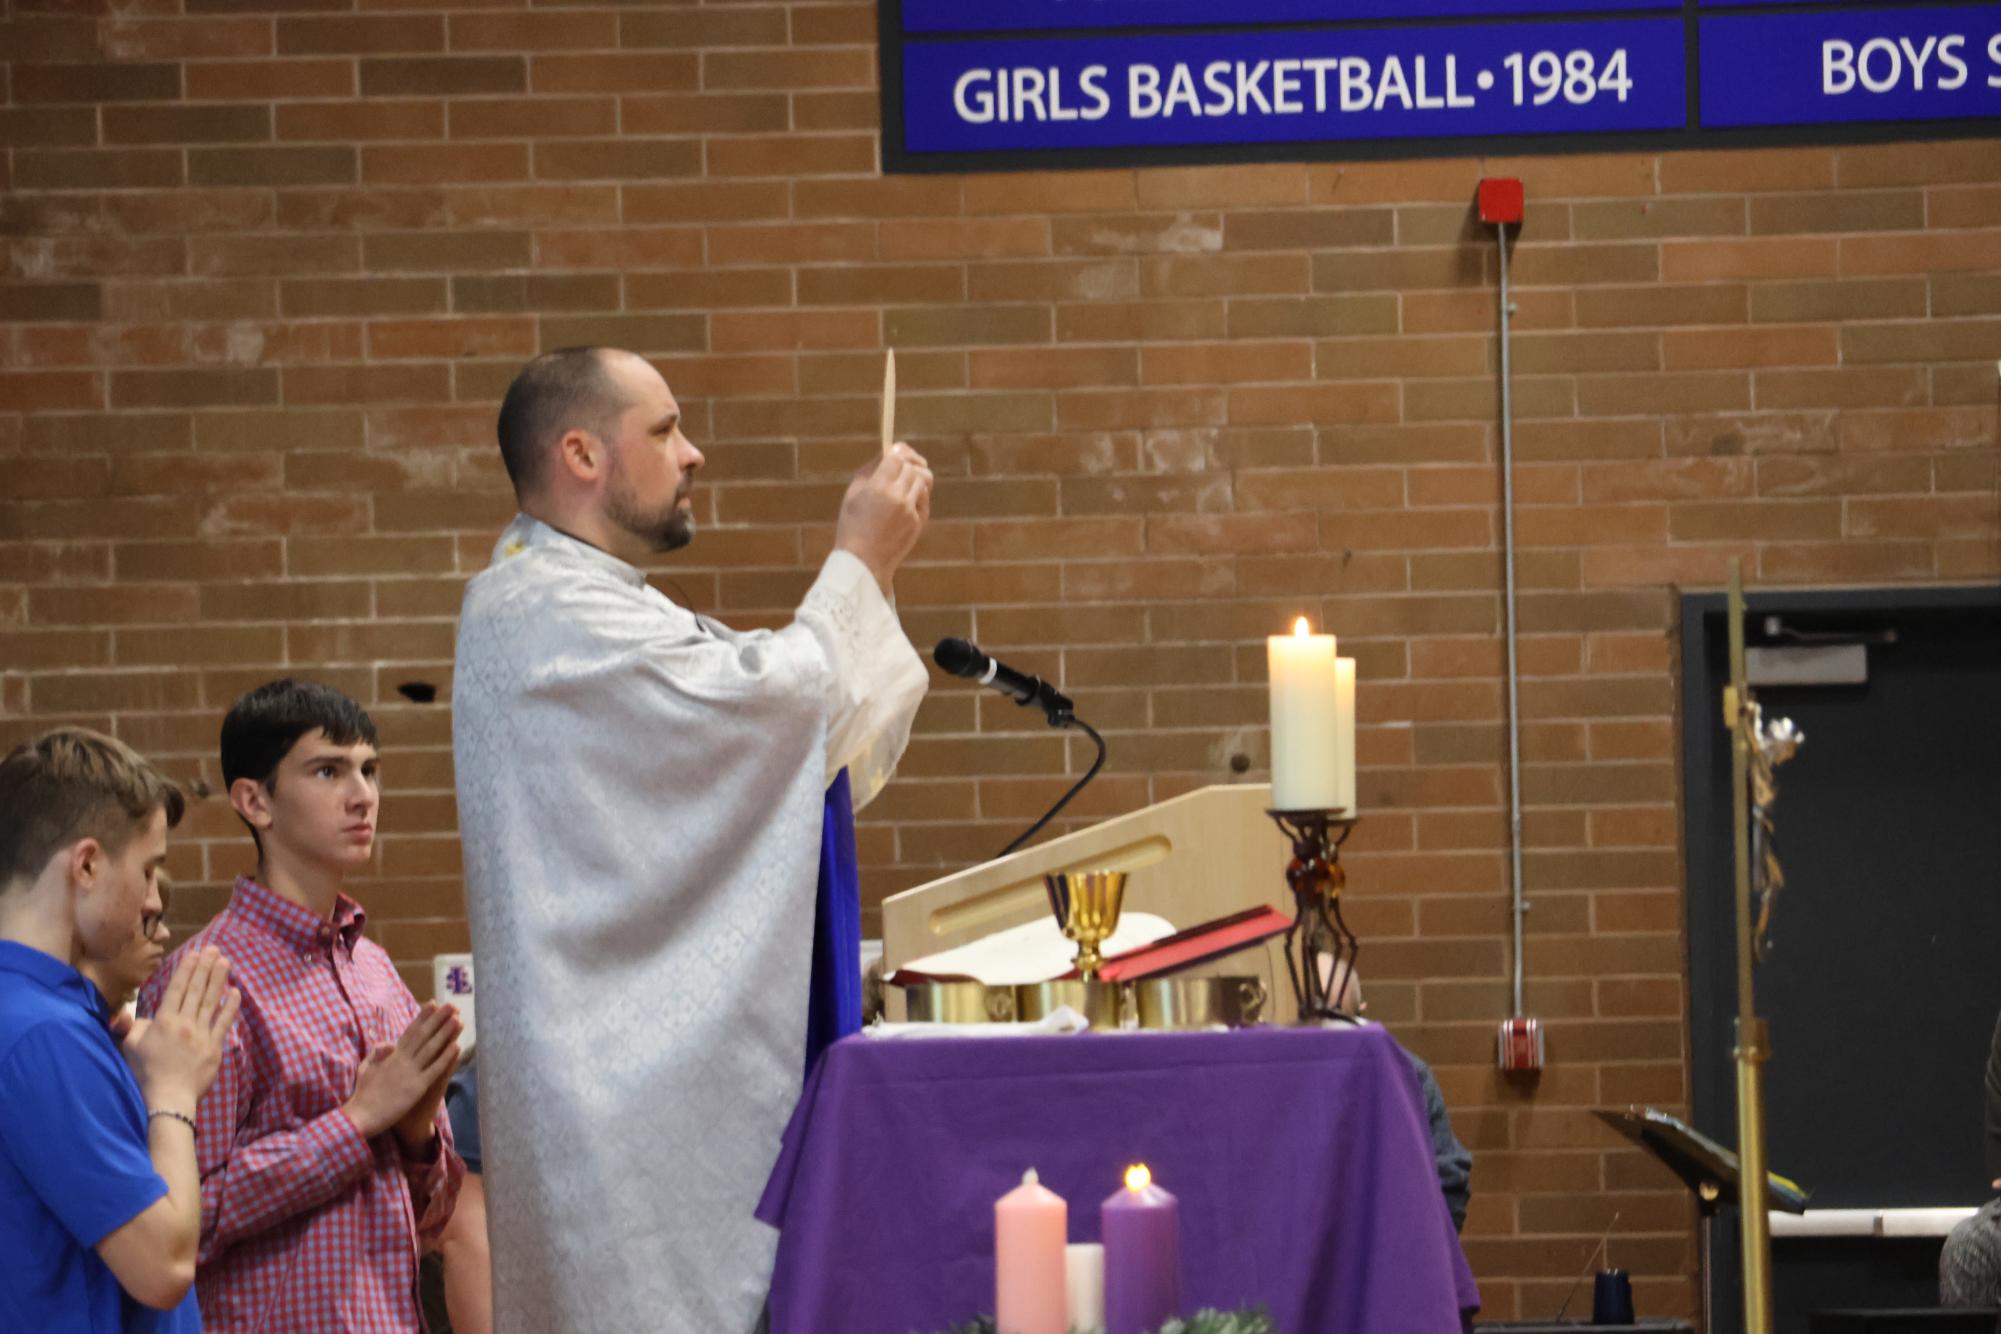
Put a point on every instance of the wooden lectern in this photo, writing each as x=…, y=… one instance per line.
x=1191, y=859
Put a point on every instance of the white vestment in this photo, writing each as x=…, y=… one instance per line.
x=640, y=795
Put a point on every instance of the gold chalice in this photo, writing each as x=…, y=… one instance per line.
x=1086, y=904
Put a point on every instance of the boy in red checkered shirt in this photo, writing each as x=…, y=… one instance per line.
x=326, y=1158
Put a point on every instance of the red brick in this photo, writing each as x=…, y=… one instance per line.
x=1701, y=349
x=1844, y=388
x=139, y=38
x=975, y=238
x=537, y=118
x=38, y=83
x=1920, y=429
x=184, y=124
x=1864, y=167
x=1479, y=399
x=1344, y=403
x=616, y=159
x=1848, y=475
x=811, y=329
x=432, y=164
x=1751, y=170
x=602, y=72
x=1919, y=517
x=1052, y=192
x=451, y=338
x=1847, y=211
x=125, y=604
x=368, y=34
x=436, y=76
x=52, y=127
x=446, y=252
x=570, y=30
x=348, y=385
x=1975, y=206
x=791, y=155
x=1692, y=391
x=793, y=69
x=1463, y=312
x=1847, y=561
x=242, y=387
x=96, y=169
x=1559, y=353
x=1721, y=260
x=269, y=80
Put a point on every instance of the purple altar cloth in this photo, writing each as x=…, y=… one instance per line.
x=1300, y=1156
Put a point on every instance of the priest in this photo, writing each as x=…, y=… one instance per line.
x=640, y=794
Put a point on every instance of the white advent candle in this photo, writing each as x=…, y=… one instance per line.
x=1344, y=733
x=1084, y=1268
x=1303, y=774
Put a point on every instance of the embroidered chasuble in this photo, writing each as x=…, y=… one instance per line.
x=641, y=798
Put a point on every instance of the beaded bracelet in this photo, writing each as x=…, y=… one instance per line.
x=182, y=1117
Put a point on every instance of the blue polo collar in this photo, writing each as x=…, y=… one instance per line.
x=51, y=974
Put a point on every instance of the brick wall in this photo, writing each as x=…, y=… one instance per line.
x=270, y=263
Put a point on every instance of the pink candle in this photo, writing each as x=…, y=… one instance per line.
x=1142, y=1234
x=1031, y=1225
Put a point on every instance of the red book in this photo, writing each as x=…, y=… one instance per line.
x=1197, y=944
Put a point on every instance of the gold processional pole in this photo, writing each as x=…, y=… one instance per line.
x=1752, y=1047
x=1755, y=751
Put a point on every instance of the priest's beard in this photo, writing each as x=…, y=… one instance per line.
x=666, y=529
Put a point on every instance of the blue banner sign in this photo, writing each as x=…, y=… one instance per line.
x=968, y=80
x=1851, y=66
x=935, y=16
x=1292, y=86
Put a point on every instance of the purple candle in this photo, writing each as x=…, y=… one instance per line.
x=1141, y=1228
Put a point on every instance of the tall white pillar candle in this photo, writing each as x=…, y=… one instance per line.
x=1303, y=775
x=1344, y=733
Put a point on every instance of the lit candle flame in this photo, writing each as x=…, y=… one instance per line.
x=1300, y=628
x=1137, y=1176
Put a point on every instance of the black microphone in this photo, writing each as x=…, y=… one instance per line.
x=961, y=658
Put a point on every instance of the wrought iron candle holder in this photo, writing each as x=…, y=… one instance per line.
x=1318, y=930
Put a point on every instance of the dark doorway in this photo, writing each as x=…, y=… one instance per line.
x=1884, y=981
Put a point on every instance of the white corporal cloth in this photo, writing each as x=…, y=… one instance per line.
x=640, y=794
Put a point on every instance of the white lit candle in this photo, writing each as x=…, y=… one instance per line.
x=1303, y=721
x=1344, y=733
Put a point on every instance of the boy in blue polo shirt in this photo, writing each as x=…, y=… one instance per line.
x=100, y=1201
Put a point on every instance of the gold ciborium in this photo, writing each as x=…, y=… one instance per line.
x=1086, y=904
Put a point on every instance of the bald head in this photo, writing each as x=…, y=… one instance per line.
x=572, y=388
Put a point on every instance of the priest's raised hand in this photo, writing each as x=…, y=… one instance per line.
x=884, y=511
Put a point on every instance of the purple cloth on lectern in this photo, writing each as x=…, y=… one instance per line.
x=1300, y=1157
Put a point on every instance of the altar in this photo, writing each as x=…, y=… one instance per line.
x=1300, y=1157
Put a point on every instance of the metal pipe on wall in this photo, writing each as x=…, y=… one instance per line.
x=1514, y=672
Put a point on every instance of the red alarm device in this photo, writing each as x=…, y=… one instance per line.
x=1500, y=200
x=1520, y=1047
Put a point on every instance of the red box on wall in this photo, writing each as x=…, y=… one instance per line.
x=1500, y=200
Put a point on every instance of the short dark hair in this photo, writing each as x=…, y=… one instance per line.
x=71, y=784
x=569, y=388
x=266, y=723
